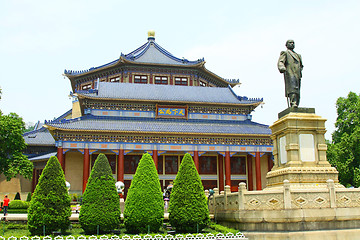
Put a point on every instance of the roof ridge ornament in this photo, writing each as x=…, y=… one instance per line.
x=151, y=35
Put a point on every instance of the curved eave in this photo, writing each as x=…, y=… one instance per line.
x=255, y=104
x=217, y=77
x=197, y=65
x=95, y=70
x=53, y=128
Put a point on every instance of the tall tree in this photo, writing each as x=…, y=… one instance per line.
x=101, y=204
x=344, y=152
x=188, y=207
x=12, y=145
x=144, y=205
x=50, y=203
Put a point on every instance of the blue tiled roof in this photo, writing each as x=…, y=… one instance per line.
x=40, y=137
x=167, y=93
x=163, y=125
x=151, y=52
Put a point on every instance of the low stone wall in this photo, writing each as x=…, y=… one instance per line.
x=285, y=209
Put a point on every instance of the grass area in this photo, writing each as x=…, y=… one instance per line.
x=8, y=229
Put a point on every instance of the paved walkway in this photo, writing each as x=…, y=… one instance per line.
x=73, y=217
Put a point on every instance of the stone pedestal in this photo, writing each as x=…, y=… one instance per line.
x=300, y=151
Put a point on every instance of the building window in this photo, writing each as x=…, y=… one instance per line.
x=171, y=164
x=140, y=79
x=86, y=87
x=115, y=79
x=130, y=163
x=202, y=84
x=238, y=165
x=207, y=165
x=181, y=81
x=161, y=80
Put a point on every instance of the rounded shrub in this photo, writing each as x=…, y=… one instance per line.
x=100, y=204
x=50, y=203
x=188, y=211
x=144, y=205
x=18, y=204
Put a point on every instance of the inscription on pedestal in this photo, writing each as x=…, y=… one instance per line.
x=307, y=147
x=282, y=152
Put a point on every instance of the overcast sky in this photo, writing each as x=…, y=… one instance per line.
x=238, y=39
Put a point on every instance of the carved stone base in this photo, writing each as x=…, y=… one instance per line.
x=300, y=151
x=303, y=177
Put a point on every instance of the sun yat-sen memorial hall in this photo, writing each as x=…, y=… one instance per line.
x=151, y=101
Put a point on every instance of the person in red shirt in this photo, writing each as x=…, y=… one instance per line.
x=6, y=204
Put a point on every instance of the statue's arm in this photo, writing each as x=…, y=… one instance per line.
x=301, y=64
x=282, y=61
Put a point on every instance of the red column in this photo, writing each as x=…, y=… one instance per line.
x=155, y=157
x=196, y=160
x=227, y=169
x=221, y=172
x=258, y=171
x=86, y=167
x=120, y=166
x=60, y=156
x=250, y=173
x=270, y=162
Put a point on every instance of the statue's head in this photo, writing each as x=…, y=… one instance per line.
x=290, y=44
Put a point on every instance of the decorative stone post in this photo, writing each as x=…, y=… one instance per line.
x=332, y=195
x=242, y=190
x=287, y=195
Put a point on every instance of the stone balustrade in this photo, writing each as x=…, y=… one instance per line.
x=284, y=198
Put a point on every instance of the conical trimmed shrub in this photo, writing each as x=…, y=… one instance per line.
x=50, y=203
x=100, y=204
x=17, y=196
x=144, y=205
x=188, y=211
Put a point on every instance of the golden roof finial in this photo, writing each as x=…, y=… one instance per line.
x=151, y=34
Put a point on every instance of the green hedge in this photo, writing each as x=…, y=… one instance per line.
x=101, y=203
x=144, y=205
x=50, y=203
x=21, y=210
x=188, y=210
x=18, y=204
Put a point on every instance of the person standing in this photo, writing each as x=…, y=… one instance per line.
x=290, y=64
x=6, y=204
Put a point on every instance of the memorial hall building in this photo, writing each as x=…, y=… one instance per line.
x=151, y=101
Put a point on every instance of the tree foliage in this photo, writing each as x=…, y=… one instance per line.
x=50, y=203
x=100, y=203
x=12, y=145
x=188, y=206
x=144, y=205
x=344, y=152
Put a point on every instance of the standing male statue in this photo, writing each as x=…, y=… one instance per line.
x=290, y=64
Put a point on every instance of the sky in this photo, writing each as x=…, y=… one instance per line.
x=238, y=39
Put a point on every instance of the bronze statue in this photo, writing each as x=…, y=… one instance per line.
x=290, y=64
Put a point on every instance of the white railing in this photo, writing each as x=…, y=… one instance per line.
x=199, y=236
